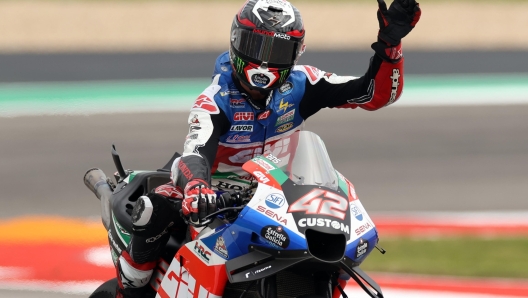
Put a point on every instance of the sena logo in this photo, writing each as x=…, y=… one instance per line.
x=321, y=202
x=272, y=215
x=362, y=229
x=244, y=116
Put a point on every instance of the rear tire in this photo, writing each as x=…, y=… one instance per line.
x=106, y=290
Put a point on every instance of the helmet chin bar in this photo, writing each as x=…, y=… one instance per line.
x=261, y=77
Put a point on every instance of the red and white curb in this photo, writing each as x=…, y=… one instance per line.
x=441, y=224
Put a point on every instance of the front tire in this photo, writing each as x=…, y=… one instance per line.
x=106, y=290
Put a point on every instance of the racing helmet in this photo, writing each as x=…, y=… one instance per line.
x=267, y=39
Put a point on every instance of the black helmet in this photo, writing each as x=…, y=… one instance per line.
x=267, y=38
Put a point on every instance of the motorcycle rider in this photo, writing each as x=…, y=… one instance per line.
x=257, y=97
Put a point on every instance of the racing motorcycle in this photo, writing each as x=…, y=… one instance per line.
x=301, y=232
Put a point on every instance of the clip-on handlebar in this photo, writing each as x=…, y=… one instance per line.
x=225, y=202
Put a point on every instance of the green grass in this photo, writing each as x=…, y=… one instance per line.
x=477, y=257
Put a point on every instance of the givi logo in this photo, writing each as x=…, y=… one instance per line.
x=244, y=116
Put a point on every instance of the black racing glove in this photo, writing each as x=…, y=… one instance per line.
x=396, y=22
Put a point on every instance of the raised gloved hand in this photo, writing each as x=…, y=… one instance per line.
x=397, y=21
x=199, y=200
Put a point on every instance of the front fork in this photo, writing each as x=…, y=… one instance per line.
x=341, y=280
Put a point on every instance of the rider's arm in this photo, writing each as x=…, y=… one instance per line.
x=381, y=85
x=207, y=123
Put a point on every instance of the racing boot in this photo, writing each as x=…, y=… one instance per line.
x=153, y=219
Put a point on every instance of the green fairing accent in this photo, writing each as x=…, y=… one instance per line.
x=132, y=175
x=123, y=234
x=279, y=175
x=342, y=184
x=229, y=176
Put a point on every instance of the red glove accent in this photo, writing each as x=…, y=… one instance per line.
x=170, y=191
x=199, y=201
x=387, y=53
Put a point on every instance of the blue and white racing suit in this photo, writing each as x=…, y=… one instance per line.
x=227, y=127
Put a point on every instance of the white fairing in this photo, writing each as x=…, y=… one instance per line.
x=359, y=227
x=179, y=283
x=280, y=215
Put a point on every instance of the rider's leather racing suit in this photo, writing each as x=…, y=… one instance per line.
x=227, y=128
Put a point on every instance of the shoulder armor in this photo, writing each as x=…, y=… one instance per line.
x=313, y=74
x=205, y=102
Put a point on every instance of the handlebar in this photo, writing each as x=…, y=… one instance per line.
x=229, y=201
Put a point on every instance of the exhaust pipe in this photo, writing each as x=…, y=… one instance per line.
x=95, y=180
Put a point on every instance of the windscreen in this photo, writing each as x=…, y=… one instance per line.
x=303, y=157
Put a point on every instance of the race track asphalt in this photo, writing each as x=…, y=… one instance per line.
x=399, y=158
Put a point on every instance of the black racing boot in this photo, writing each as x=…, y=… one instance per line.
x=153, y=219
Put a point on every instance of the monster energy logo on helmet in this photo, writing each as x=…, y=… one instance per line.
x=283, y=75
x=239, y=64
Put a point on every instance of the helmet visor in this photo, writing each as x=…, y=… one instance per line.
x=270, y=47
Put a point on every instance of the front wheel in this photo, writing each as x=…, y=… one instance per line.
x=106, y=290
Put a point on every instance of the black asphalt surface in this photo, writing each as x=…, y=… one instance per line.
x=125, y=66
x=400, y=159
